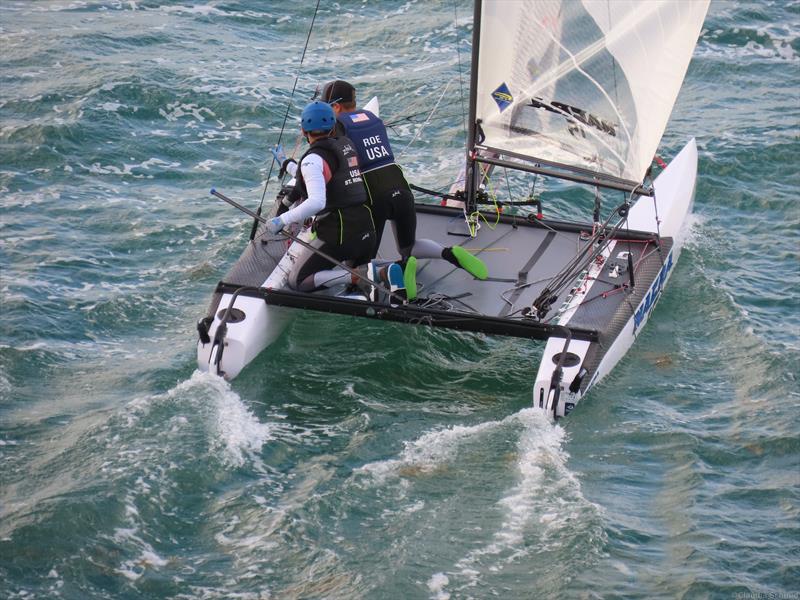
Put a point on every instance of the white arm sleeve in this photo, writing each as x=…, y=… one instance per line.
x=312, y=170
x=291, y=169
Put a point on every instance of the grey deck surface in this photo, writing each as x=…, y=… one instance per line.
x=521, y=260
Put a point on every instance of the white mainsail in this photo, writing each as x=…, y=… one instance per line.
x=585, y=83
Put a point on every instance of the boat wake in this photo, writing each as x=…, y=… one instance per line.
x=431, y=452
x=202, y=418
x=238, y=435
x=235, y=435
x=543, y=511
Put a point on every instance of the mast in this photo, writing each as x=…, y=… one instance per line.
x=472, y=172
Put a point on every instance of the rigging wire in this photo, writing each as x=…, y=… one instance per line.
x=397, y=120
x=285, y=118
x=317, y=88
x=419, y=131
x=460, y=75
x=328, y=47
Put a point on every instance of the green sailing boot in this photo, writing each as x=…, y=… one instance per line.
x=410, y=277
x=467, y=261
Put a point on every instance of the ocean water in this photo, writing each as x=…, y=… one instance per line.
x=354, y=459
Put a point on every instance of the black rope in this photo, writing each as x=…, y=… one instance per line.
x=441, y=195
x=460, y=198
x=285, y=118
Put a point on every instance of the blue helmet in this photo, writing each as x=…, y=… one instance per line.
x=318, y=117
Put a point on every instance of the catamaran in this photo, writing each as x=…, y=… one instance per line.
x=580, y=91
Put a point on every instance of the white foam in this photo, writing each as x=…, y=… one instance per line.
x=134, y=569
x=216, y=136
x=130, y=537
x=429, y=452
x=238, y=433
x=176, y=110
x=206, y=165
x=152, y=559
x=110, y=106
x=128, y=169
x=150, y=162
x=436, y=585
x=779, y=49
x=239, y=430
x=203, y=10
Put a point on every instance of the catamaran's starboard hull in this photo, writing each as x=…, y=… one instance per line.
x=589, y=362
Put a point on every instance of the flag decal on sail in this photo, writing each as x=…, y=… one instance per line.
x=502, y=96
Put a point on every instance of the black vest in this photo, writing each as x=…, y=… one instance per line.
x=346, y=186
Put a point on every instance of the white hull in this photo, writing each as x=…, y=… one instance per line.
x=674, y=197
x=261, y=326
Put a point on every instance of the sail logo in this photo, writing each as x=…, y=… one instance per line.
x=503, y=97
x=652, y=295
x=575, y=116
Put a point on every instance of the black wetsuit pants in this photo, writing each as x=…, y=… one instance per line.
x=392, y=200
x=346, y=234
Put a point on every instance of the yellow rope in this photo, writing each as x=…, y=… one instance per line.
x=474, y=219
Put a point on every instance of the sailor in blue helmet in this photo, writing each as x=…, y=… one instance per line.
x=390, y=195
x=331, y=186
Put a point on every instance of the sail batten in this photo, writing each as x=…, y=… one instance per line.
x=589, y=84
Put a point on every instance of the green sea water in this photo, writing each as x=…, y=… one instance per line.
x=355, y=459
